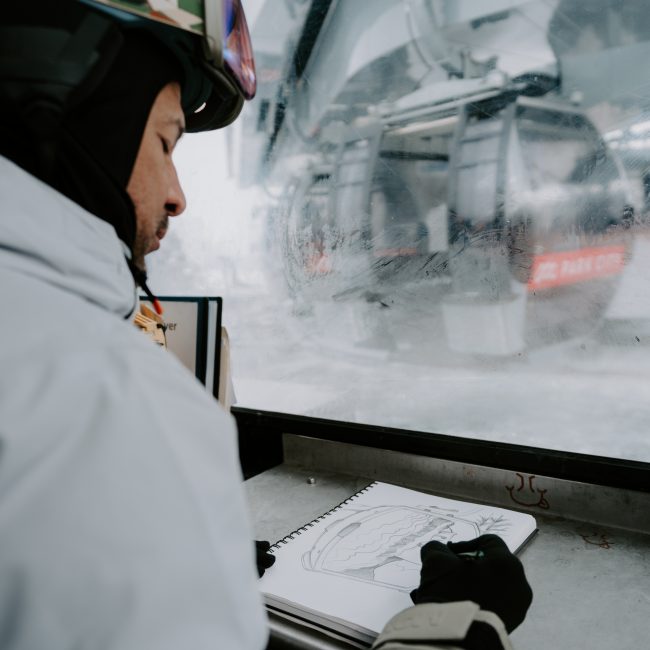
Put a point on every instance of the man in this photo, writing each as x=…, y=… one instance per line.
x=122, y=516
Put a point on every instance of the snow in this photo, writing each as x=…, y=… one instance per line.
x=357, y=361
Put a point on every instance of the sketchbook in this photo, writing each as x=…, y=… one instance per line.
x=353, y=568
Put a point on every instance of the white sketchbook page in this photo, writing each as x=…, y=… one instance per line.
x=360, y=562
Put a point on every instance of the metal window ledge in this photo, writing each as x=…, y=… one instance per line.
x=589, y=566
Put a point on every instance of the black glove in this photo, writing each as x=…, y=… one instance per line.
x=264, y=558
x=482, y=570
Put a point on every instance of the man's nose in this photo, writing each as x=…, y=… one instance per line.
x=175, y=203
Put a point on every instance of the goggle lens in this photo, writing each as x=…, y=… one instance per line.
x=237, y=48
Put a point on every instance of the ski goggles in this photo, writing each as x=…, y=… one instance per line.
x=237, y=48
x=222, y=23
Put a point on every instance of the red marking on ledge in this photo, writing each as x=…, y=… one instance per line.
x=598, y=539
x=538, y=500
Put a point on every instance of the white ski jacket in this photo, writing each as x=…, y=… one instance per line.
x=122, y=517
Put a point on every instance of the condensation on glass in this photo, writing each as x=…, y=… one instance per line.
x=450, y=201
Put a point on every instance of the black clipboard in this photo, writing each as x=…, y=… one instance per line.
x=193, y=334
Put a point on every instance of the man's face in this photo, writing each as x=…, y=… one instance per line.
x=153, y=186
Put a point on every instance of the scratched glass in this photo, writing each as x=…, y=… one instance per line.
x=436, y=218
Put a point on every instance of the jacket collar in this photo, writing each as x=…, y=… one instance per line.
x=45, y=235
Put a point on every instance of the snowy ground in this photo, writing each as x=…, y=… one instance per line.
x=590, y=395
x=353, y=361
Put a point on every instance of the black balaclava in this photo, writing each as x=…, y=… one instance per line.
x=95, y=145
x=101, y=137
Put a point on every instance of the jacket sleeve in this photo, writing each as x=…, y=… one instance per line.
x=123, y=517
x=442, y=626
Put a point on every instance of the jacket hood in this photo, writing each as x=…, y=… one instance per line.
x=47, y=236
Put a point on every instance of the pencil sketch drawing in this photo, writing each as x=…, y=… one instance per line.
x=381, y=544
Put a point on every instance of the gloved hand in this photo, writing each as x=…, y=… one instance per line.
x=482, y=570
x=264, y=558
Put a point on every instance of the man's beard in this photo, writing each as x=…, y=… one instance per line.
x=137, y=257
x=142, y=243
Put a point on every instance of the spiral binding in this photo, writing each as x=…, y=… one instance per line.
x=285, y=540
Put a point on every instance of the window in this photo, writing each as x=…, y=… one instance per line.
x=434, y=216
